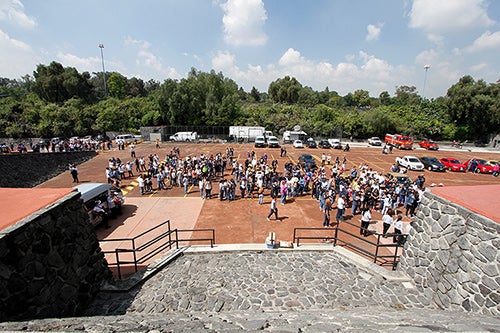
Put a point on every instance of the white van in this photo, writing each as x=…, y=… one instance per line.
x=127, y=138
x=184, y=136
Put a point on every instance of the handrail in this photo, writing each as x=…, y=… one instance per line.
x=391, y=259
x=150, y=247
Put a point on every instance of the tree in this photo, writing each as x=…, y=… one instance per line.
x=406, y=95
x=56, y=84
x=285, y=90
x=474, y=105
x=255, y=95
x=117, y=85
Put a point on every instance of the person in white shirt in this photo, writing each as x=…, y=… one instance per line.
x=366, y=217
x=340, y=209
x=398, y=230
x=273, y=210
x=387, y=220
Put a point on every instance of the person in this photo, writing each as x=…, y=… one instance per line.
x=132, y=150
x=326, y=213
x=157, y=143
x=261, y=195
x=366, y=217
x=74, y=173
x=141, y=182
x=387, y=221
x=346, y=148
x=99, y=210
x=398, y=230
x=273, y=210
x=384, y=149
x=496, y=168
x=340, y=209
x=208, y=189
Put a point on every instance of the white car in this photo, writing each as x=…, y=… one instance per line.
x=335, y=143
x=375, y=141
x=272, y=142
x=410, y=163
x=260, y=142
x=298, y=144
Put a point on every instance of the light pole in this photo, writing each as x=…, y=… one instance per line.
x=426, y=67
x=101, y=46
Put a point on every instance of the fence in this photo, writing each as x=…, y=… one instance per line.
x=381, y=253
x=144, y=247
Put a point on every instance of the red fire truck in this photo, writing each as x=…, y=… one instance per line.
x=399, y=141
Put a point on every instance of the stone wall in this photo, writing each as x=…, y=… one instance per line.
x=51, y=264
x=31, y=169
x=453, y=255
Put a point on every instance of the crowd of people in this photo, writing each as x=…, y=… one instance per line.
x=332, y=184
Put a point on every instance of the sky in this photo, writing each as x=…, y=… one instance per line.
x=345, y=45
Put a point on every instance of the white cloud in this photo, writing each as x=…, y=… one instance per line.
x=374, y=31
x=90, y=64
x=479, y=67
x=147, y=62
x=243, y=22
x=427, y=57
x=13, y=11
x=17, y=57
x=486, y=41
x=440, y=17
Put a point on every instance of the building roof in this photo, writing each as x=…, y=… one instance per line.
x=18, y=203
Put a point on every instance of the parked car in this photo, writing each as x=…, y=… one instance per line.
x=375, y=141
x=260, y=142
x=307, y=162
x=310, y=143
x=324, y=144
x=453, y=164
x=410, y=163
x=428, y=144
x=401, y=178
x=432, y=164
x=335, y=143
x=298, y=144
x=482, y=165
x=272, y=142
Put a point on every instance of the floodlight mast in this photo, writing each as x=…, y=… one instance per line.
x=101, y=46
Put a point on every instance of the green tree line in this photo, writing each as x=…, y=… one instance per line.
x=60, y=101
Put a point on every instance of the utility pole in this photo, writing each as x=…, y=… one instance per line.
x=426, y=67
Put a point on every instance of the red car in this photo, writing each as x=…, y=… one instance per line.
x=453, y=164
x=482, y=166
x=428, y=144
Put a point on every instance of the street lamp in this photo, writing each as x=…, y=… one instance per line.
x=426, y=67
x=101, y=46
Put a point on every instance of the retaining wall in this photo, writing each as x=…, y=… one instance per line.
x=51, y=264
x=30, y=169
x=453, y=256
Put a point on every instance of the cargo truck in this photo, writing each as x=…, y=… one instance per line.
x=247, y=133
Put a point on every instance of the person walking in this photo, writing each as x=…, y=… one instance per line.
x=326, y=213
x=74, y=173
x=366, y=217
x=273, y=210
x=340, y=209
x=387, y=220
x=398, y=230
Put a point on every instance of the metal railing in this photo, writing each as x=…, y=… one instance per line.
x=143, y=247
x=380, y=253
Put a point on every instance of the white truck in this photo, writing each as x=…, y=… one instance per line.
x=184, y=137
x=291, y=136
x=247, y=133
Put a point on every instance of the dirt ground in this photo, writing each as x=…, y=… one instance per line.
x=244, y=221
